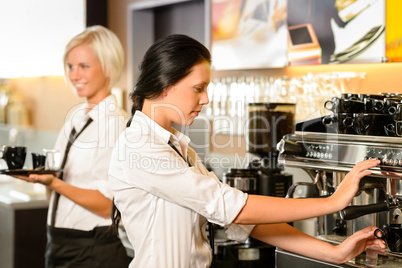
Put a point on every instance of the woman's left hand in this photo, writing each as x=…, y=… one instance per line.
x=357, y=243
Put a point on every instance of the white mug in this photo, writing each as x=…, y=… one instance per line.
x=53, y=159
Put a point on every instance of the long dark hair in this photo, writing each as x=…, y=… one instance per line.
x=165, y=63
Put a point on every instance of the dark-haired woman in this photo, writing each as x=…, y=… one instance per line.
x=166, y=195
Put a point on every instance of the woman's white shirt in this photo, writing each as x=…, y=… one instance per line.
x=165, y=203
x=88, y=160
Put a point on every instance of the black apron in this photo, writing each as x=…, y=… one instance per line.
x=71, y=248
x=98, y=248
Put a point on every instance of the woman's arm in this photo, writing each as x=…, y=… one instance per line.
x=266, y=209
x=92, y=200
x=289, y=238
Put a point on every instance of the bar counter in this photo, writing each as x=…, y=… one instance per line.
x=23, y=211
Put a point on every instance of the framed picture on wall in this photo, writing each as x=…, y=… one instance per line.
x=348, y=31
x=248, y=34
x=393, y=34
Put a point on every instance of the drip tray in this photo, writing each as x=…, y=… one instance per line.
x=371, y=258
x=383, y=258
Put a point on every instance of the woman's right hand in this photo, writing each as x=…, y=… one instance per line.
x=350, y=184
x=357, y=243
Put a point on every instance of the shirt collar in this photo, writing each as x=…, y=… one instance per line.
x=179, y=136
x=80, y=116
x=163, y=134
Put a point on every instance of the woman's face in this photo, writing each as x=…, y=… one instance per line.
x=189, y=95
x=86, y=74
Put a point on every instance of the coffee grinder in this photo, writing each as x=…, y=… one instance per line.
x=267, y=124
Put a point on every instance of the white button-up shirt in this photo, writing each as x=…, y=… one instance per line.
x=165, y=203
x=88, y=160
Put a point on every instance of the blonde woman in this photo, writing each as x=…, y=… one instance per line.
x=81, y=199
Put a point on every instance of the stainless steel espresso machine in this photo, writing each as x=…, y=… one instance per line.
x=327, y=156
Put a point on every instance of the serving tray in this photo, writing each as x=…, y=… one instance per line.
x=26, y=172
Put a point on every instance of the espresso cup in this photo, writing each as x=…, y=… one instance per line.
x=379, y=96
x=342, y=123
x=372, y=124
x=397, y=112
x=38, y=161
x=351, y=96
x=391, y=105
x=373, y=105
x=391, y=95
x=338, y=105
x=392, y=235
x=398, y=129
x=14, y=156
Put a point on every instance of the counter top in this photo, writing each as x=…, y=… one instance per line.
x=18, y=194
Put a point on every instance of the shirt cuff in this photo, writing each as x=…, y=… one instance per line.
x=239, y=232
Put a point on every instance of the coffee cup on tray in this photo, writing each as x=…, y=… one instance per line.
x=14, y=156
x=38, y=161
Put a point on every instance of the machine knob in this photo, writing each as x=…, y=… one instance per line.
x=385, y=161
x=400, y=162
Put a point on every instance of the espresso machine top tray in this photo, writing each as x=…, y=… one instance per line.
x=340, y=152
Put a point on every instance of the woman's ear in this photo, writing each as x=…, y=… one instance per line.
x=166, y=91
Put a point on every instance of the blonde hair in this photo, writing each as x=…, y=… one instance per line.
x=106, y=45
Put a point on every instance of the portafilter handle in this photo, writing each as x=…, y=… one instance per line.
x=353, y=212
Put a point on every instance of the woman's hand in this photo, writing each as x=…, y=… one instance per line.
x=45, y=179
x=289, y=238
x=350, y=184
x=90, y=199
x=357, y=243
